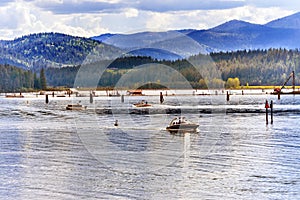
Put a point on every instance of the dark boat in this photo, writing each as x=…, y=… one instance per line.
x=75, y=107
x=182, y=124
x=114, y=94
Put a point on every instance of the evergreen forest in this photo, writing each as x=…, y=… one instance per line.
x=216, y=70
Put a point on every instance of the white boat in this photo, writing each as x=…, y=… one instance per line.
x=14, y=96
x=182, y=124
x=76, y=107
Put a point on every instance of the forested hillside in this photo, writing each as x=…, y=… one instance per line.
x=259, y=67
x=44, y=50
x=255, y=67
x=14, y=79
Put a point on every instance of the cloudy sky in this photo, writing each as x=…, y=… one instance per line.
x=94, y=17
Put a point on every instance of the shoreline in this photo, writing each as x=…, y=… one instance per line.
x=144, y=92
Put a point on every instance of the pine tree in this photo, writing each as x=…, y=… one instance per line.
x=36, y=84
x=43, y=79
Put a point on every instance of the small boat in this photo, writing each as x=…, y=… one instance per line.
x=142, y=103
x=114, y=94
x=75, y=107
x=14, y=96
x=182, y=124
x=61, y=95
x=135, y=92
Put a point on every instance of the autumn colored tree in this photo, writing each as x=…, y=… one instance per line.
x=233, y=83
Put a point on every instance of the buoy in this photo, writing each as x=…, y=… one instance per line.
x=267, y=107
x=116, y=123
x=267, y=104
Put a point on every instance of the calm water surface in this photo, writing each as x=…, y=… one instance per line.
x=47, y=152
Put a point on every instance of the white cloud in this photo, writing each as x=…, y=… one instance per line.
x=22, y=17
x=82, y=25
x=159, y=21
x=131, y=12
x=253, y=14
x=18, y=17
x=205, y=19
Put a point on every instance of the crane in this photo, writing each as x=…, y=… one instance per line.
x=292, y=75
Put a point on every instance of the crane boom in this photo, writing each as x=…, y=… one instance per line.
x=278, y=90
x=290, y=76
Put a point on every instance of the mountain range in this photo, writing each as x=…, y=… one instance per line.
x=230, y=36
x=58, y=50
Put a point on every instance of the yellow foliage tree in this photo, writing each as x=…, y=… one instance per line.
x=233, y=83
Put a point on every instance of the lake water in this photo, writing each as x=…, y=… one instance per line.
x=47, y=152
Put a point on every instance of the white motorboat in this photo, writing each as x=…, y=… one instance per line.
x=182, y=124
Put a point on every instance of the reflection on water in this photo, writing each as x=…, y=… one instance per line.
x=47, y=152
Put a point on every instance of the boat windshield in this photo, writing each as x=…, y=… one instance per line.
x=179, y=120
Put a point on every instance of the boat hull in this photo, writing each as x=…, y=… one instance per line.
x=183, y=128
x=141, y=105
x=14, y=96
x=75, y=107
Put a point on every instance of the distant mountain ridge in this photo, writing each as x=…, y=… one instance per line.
x=44, y=50
x=289, y=22
x=229, y=36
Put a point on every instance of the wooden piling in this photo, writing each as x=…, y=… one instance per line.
x=278, y=95
x=161, y=98
x=271, y=106
x=122, y=98
x=227, y=96
x=47, y=99
x=91, y=98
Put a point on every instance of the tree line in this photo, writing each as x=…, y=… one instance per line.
x=214, y=70
x=14, y=79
